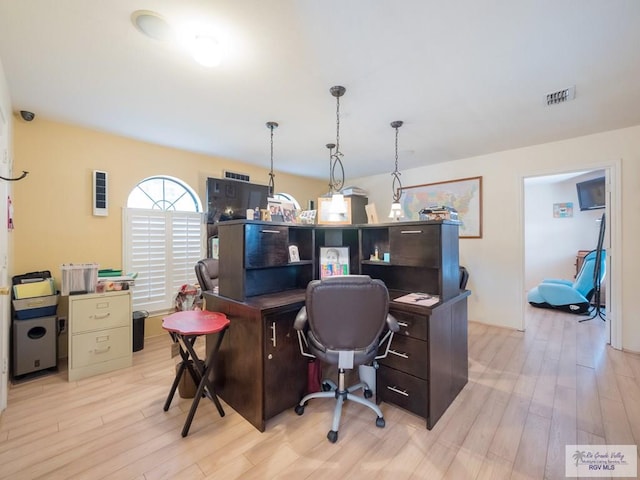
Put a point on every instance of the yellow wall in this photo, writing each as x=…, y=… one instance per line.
x=52, y=206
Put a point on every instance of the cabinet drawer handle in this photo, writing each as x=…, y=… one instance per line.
x=269, y=231
x=273, y=334
x=410, y=232
x=403, y=324
x=102, y=350
x=396, y=390
x=399, y=354
x=100, y=317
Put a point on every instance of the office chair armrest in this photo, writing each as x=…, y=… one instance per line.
x=301, y=319
x=393, y=327
x=392, y=323
x=299, y=325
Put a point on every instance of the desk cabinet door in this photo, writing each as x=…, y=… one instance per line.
x=266, y=246
x=415, y=246
x=285, y=368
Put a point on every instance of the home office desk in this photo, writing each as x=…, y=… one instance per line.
x=260, y=371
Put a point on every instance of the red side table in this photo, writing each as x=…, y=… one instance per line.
x=185, y=327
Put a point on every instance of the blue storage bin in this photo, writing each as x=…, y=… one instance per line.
x=34, y=307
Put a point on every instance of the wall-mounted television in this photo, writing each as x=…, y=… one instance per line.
x=230, y=199
x=591, y=194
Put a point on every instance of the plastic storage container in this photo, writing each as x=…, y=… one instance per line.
x=79, y=278
x=35, y=307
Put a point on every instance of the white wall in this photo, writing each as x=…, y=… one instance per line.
x=551, y=244
x=496, y=261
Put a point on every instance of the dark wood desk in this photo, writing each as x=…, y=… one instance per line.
x=260, y=371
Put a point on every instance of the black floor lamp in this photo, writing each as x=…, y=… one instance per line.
x=598, y=310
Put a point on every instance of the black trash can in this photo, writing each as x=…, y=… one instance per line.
x=139, y=317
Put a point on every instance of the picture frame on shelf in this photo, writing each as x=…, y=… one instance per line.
x=294, y=254
x=327, y=217
x=334, y=261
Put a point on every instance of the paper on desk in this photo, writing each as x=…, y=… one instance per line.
x=417, y=298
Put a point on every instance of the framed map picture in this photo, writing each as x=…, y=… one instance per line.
x=465, y=195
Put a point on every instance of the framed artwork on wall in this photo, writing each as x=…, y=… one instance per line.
x=464, y=195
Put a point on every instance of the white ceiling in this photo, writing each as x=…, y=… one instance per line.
x=467, y=77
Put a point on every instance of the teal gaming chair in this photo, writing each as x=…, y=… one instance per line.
x=572, y=297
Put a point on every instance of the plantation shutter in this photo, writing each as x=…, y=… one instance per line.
x=162, y=247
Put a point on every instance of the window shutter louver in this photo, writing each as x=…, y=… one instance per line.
x=163, y=248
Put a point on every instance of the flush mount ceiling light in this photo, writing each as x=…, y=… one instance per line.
x=152, y=25
x=198, y=40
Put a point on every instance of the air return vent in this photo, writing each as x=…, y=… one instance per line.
x=561, y=96
x=236, y=176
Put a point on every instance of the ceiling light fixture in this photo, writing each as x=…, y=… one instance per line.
x=396, y=186
x=336, y=168
x=272, y=182
x=152, y=25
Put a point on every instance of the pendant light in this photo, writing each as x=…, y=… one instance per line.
x=396, y=186
x=272, y=183
x=336, y=168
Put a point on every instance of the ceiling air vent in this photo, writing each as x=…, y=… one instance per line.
x=560, y=96
x=236, y=176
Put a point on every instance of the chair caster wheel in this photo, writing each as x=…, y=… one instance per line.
x=326, y=387
x=332, y=436
x=380, y=422
x=299, y=409
x=368, y=393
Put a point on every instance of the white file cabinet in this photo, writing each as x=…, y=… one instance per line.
x=99, y=333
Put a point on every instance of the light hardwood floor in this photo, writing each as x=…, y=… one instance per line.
x=529, y=394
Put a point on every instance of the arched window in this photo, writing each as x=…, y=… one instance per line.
x=163, y=240
x=285, y=197
x=164, y=193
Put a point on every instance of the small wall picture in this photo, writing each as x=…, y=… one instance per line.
x=294, y=254
x=563, y=210
x=334, y=261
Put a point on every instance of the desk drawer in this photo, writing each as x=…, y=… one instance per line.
x=103, y=346
x=408, y=355
x=404, y=390
x=99, y=313
x=411, y=324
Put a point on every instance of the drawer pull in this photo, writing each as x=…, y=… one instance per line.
x=396, y=390
x=101, y=317
x=403, y=324
x=102, y=350
x=269, y=231
x=399, y=354
x=410, y=232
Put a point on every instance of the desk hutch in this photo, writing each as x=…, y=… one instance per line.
x=261, y=372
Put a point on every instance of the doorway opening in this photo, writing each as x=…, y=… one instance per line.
x=557, y=235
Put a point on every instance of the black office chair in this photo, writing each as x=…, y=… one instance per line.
x=207, y=273
x=342, y=323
